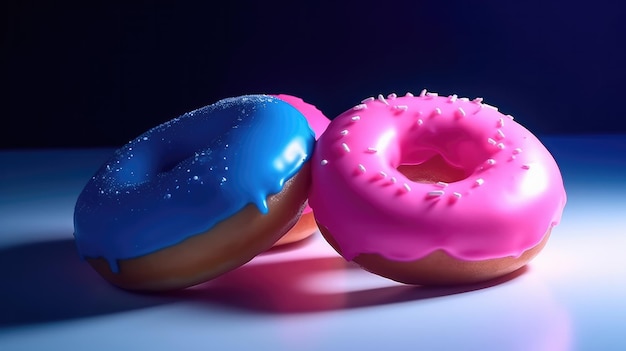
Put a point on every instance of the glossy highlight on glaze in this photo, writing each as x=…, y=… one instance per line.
x=181, y=178
x=509, y=194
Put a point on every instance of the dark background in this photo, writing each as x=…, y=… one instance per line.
x=98, y=74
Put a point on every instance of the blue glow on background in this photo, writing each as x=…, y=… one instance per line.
x=119, y=69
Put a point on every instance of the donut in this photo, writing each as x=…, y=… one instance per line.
x=306, y=225
x=434, y=190
x=196, y=196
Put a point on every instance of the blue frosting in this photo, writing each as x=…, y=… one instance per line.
x=181, y=178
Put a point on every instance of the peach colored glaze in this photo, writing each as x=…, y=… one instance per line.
x=317, y=121
x=512, y=192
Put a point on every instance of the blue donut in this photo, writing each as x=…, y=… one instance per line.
x=182, y=177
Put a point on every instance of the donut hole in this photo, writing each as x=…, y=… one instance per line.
x=435, y=169
x=166, y=165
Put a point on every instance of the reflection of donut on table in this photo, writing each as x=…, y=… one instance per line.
x=434, y=190
x=197, y=196
x=318, y=122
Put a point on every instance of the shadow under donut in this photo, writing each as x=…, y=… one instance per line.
x=291, y=287
x=47, y=282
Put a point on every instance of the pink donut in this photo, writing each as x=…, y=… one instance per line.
x=318, y=123
x=399, y=181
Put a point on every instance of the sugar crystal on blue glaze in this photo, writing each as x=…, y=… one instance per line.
x=183, y=177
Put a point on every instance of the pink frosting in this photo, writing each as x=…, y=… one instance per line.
x=315, y=117
x=512, y=195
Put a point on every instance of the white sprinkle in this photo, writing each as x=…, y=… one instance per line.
x=420, y=122
x=344, y=132
x=441, y=184
x=392, y=96
x=464, y=99
x=510, y=117
x=372, y=150
x=401, y=107
x=324, y=162
x=436, y=193
x=479, y=181
x=361, y=168
x=491, y=162
x=501, y=122
x=501, y=146
x=345, y=147
x=423, y=92
x=517, y=150
x=457, y=195
x=436, y=111
x=393, y=180
x=381, y=98
x=356, y=118
x=500, y=134
x=480, y=108
x=409, y=94
x=512, y=157
x=371, y=98
x=452, y=98
x=477, y=100
x=406, y=187
x=360, y=107
x=382, y=174
x=526, y=166
x=195, y=177
x=491, y=141
x=432, y=95
x=460, y=112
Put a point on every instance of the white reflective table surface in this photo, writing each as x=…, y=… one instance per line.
x=305, y=297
